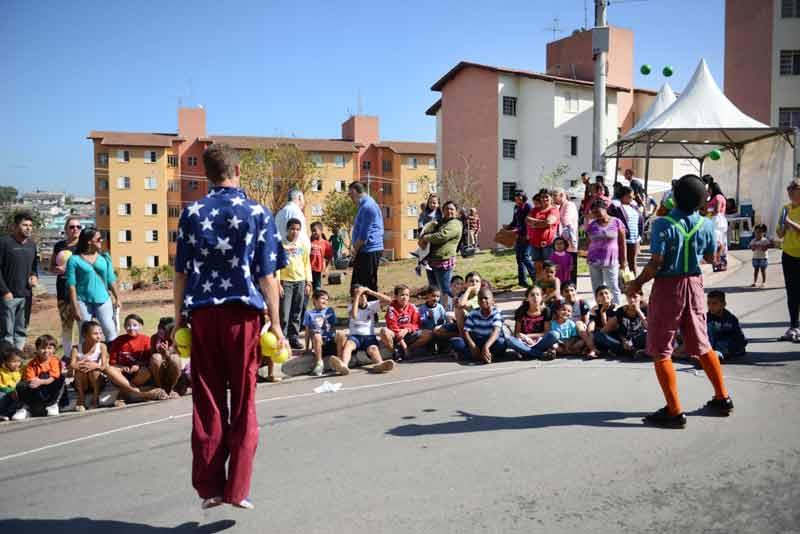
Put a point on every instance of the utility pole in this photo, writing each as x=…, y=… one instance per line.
x=600, y=41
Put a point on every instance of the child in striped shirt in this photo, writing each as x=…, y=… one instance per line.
x=483, y=331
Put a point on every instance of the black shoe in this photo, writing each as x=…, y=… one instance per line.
x=663, y=419
x=296, y=344
x=398, y=354
x=721, y=407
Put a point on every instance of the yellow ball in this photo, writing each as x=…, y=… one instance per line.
x=184, y=350
x=269, y=343
x=183, y=336
x=280, y=357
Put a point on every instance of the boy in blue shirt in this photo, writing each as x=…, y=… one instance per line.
x=724, y=332
x=678, y=241
x=320, y=323
x=432, y=314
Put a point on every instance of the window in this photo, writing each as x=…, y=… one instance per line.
x=191, y=161
x=316, y=185
x=339, y=160
x=172, y=160
x=411, y=163
x=510, y=148
x=124, y=236
x=366, y=165
x=431, y=163
x=789, y=117
x=316, y=210
x=171, y=260
x=410, y=234
x=194, y=185
x=125, y=262
x=340, y=186
x=412, y=187
x=102, y=209
x=508, y=190
x=510, y=105
x=412, y=210
x=386, y=165
x=151, y=208
x=316, y=159
x=387, y=189
x=174, y=211
x=571, y=103
x=150, y=156
x=102, y=158
x=123, y=182
x=102, y=185
x=573, y=145
x=790, y=9
x=150, y=183
x=124, y=209
x=151, y=236
x=387, y=212
x=152, y=261
x=123, y=156
x=173, y=236
x=174, y=186
x=432, y=187
x=790, y=62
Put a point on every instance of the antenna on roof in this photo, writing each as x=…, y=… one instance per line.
x=360, y=107
x=585, y=14
x=555, y=29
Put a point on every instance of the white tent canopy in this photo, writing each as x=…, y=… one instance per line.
x=701, y=119
x=664, y=99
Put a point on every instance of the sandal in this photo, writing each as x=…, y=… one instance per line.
x=274, y=379
x=174, y=395
x=119, y=403
x=156, y=394
x=80, y=408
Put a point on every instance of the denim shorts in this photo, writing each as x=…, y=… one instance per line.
x=540, y=253
x=760, y=263
x=363, y=342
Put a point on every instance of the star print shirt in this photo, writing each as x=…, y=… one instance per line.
x=226, y=243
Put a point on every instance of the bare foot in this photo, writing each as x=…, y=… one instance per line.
x=174, y=395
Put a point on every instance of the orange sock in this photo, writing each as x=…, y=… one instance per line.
x=713, y=370
x=669, y=384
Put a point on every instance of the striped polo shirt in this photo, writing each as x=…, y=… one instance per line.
x=479, y=325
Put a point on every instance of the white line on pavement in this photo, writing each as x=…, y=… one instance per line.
x=493, y=368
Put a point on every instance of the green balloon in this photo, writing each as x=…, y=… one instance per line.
x=715, y=154
x=645, y=69
x=667, y=71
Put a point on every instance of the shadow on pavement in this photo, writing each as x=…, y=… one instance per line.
x=764, y=358
x=84, y=525
x=487, y=423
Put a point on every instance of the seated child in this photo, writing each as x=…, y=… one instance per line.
x=132, y=365
x=562, y=260
x=571, y=340
x=402, y=333
x=468, y=299
x=171, y=367
x=760, y=245
x=363, y=316
x=432, y=315
x=602, y=310
x=549, y=282
x=320, y=323
x=88, y=359
x=42, y=383
x=625, y=332
x=10, y=376
x=532, y=336
x=483, y=337
x=724, y=332
x=580, y=308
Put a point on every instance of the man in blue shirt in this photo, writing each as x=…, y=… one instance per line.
x=677, y=301
x=227, y=254
x=367, y=238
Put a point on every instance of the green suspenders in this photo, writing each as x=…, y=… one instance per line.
x=686, y=237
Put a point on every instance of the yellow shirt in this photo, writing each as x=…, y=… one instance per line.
x=9, y=379
x=298, y=256
x=791, y=240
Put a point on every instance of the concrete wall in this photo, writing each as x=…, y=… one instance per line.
x=785, y=90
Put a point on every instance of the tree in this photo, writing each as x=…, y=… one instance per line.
x=339, y=211
x=268, y=174
x=8, y=194
x=461, y=184
x=554, y=178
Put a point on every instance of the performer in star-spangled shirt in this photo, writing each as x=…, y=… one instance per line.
x=228, y=251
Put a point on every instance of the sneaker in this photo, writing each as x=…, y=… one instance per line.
x=211, y=502
x=398, y=354
x=295, y=344
x=51, y=410
x=20, y=415
x=318, y=368
x=550, y=354
x=338, y=366
x=383, y=367
x=663, y=419
x=4, y=418
x=721, y=407
x=247, y=504
x=790, y=335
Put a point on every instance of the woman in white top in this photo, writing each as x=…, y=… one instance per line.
x=88, y=360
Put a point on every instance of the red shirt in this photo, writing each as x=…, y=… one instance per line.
x=402, y=318
x=321, y=250
x=543, y=237
x=129, y=350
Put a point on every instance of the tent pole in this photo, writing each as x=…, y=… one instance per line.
x=616, y=166
x=646, y=167
x=737, y=153
x=701, y=166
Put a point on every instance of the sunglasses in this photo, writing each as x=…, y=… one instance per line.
x=74, y=226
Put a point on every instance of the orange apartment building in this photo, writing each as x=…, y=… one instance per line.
x=143, y=180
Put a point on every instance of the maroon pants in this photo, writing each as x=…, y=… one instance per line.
x=224, y=356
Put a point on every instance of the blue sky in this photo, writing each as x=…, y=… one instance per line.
x=276, y=67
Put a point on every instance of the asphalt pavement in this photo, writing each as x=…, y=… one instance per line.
x=436, y=446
